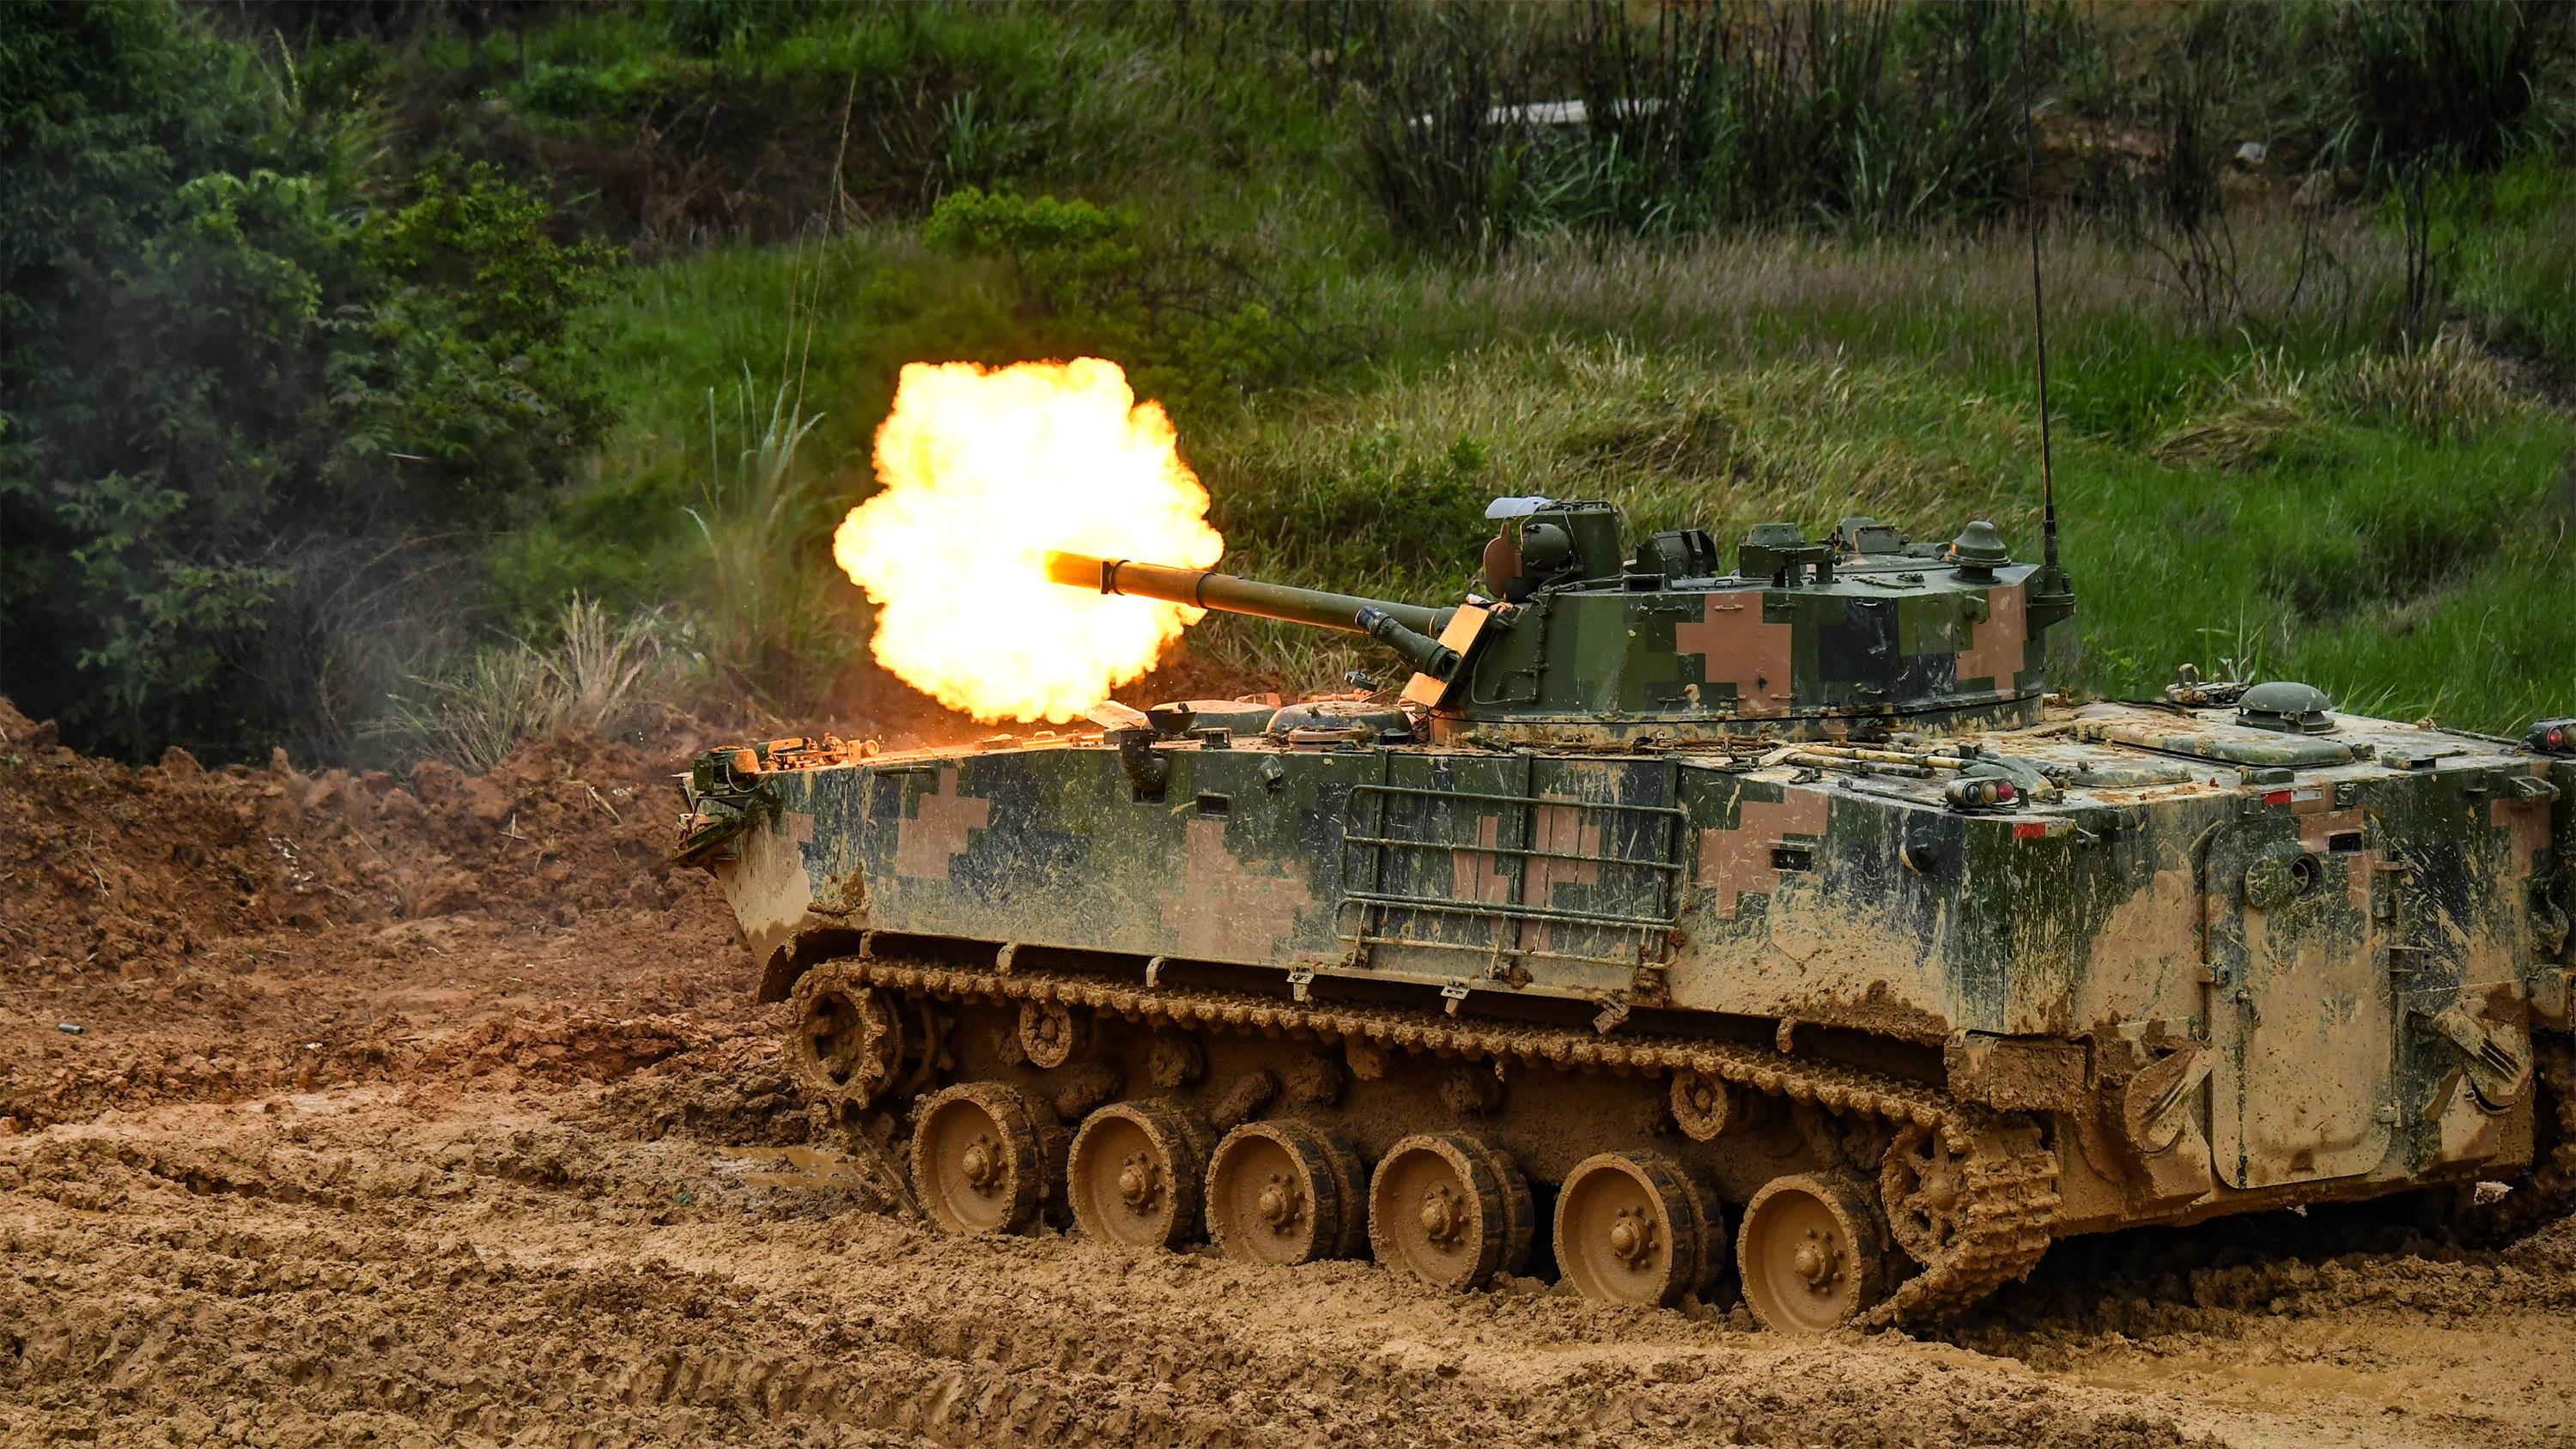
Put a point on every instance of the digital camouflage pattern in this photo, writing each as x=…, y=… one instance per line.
x=2223, y=951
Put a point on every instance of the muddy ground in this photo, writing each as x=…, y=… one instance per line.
x=432, y=1109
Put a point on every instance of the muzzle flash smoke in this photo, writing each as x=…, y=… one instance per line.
x=986, y=470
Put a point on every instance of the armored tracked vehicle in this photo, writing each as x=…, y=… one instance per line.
x=1678, y=930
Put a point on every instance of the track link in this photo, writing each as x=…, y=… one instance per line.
x=2011, y=1177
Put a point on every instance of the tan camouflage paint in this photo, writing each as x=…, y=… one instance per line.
x=1565, y=830
x=1478, y=870
x=1737, y=863
x=940, y=831
x=1227, y=908
x=1736, y=647
x=2002, y=643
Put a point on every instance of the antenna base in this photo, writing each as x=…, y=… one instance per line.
x=2049, y=598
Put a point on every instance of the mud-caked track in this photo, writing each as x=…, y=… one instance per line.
x=464, y=1154
x=1992, y=1220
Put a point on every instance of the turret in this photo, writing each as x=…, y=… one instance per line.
x=1573, y=641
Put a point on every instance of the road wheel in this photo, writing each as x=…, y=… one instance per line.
x=1135, y=1172
x=1285, y=1192
x=1810, y=1253
x=979, y=1160
x=1634, y=1227
x=1450, y=1211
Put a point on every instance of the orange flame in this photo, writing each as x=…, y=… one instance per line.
x=984, y=471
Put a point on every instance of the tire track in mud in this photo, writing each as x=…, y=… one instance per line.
x=408, y=1261
x=365, y=1272
x=2396, y=1332
x=479, y=1164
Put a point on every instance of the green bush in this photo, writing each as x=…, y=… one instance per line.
x=257, y=392
x=476, y=365
x=1874, y=117
x=2430, y=82
x=1176, y=310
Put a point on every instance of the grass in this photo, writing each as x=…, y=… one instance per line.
x=2417, y=570
x=2514, y=263
x=597, y=674
x=2252, y=468
x=2401, y=576
x=2389, y=525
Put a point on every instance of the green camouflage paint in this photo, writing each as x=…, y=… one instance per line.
x=1725, y=804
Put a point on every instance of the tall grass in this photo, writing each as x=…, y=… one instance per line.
x=1871, y=117
x=598, y=674
x=775, y=627
x=1776, y=273
x=2131, y=351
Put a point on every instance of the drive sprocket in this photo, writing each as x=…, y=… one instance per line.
x=850, y=1046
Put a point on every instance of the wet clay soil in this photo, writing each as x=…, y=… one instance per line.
x=432, y=1110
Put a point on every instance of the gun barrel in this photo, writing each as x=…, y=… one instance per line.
x=1203, y=589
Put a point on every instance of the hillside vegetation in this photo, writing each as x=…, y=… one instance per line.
x=379, y=379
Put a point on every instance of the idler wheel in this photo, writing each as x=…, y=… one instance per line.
x=1135, y=1174
x=1635, y=1227
x=1450, y=1211
x=1051, y=1034
x=1286, y=1192
x=979, y=1159
x=1925, y=1187
x=846, y=1048
x=1809, y=1253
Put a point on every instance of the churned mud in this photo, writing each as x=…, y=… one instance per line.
x=431, y=1109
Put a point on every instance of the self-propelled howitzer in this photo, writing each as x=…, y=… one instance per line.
x=1680, y=930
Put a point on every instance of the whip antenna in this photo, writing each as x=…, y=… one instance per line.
x=2038, y=298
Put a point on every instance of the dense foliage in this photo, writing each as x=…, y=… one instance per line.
x=325, y=420
x=259, y=382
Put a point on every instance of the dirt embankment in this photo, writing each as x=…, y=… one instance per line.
x=204, y=934
x=431, y=1109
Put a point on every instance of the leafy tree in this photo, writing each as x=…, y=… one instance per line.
x=252, y=390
